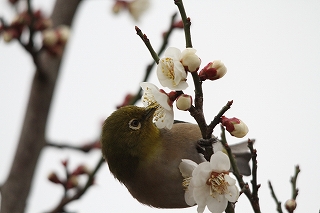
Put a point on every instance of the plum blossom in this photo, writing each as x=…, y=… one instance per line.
x=152, y=96
x=209, y=184
x=135, y=7
x=170, y=70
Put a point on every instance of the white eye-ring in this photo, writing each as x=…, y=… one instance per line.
x=134, y=124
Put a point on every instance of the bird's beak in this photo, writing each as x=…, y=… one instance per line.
x=149, y=112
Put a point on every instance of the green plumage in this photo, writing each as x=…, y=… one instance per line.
x=146, y=159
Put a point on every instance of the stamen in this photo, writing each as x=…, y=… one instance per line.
x=217, y=183
x=186, y=183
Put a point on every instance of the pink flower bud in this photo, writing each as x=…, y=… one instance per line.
x=53, y=178
x=65, y=162
x=127, y=100
x=213, y=71
x=80, y=170
x=184, y=102
x=178, y=24
x=235, y=126
x=72, y=182
x=290, y=205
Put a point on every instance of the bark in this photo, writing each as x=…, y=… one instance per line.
x=15, y=190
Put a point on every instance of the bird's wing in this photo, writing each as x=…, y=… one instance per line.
x=240, y=147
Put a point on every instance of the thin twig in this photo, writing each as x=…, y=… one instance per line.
x=255, y=186
x=293, y=180
x=146, y=41
x=186, y=22
x=217, y=118
x=65, y=200
x=152, y=64
x=279, y=209
x=253, y=198
x=85, y=148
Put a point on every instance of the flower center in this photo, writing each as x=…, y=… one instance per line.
x=217, y=183
x=168, y=69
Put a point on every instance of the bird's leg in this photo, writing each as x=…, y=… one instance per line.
x=207, y=142
x=205, y=147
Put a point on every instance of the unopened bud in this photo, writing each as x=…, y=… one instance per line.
x=213, y=71
x=53, y=178
x=65, y=162
x=137, y=8
x=7, y=36
x=290, y=205
x=178, y=24
x=127, y=100
x=118, y=6
x=190, y=60
x=72, y=182
x=184, y=102
x=235, y=126
x=80, y=170
x=64, y=33
x=49, y=37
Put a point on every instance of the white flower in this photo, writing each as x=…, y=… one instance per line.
x=190, y=60
x=137, y=7
x=170, y=70
x=210, y=184
x=152, y=96
x=186, y=168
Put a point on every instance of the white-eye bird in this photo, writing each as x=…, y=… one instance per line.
x=146, y=159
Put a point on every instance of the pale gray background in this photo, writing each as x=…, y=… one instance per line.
x=272, y=52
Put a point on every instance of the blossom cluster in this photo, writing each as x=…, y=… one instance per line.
x=207, y=184
x=172, y=73
x=72, y=177
x=22, y=21
x=53, y=40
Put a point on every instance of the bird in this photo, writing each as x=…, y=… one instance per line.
x=146, y=159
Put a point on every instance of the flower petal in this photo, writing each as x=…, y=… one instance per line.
x=163, y=115
x=186, y=167
x=188, y=196
x=200, y=209
x=220, y=162
x=200, y=194
x=173, y=52
x=233, y=194
x=230, y=180
x=201, y=174
x=217, y=204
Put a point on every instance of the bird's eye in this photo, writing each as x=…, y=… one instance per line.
x=134, y=124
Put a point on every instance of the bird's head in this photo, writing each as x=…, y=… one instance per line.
x=129, y=136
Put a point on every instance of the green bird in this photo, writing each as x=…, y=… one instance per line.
x=146, y=159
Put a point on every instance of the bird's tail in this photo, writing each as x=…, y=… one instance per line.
x=243, y=156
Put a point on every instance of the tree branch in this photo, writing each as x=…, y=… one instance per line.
x=15, y=190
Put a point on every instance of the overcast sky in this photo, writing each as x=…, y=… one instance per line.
x=272, y=52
